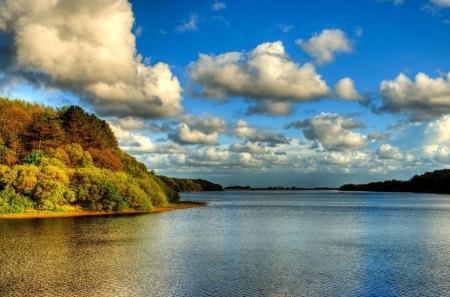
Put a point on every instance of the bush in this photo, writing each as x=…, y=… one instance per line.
x=25, y=179
x=101, y=189
x=11, y=202
x=52, y=190
x=34, y=158
x=104, y=158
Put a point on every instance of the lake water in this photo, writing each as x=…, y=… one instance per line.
x=258, y=243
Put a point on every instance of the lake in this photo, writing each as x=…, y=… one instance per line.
x=245, y=243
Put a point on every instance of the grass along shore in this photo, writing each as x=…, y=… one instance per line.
x=78, y=212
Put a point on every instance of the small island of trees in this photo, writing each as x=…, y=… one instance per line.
x=65, y=159
x=431, y=182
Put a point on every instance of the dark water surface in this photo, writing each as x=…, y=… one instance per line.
x=244, y=244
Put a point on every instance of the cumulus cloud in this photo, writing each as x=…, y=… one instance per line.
x=333, y=131
x=198, y=130
x=218, y=5
x=266, y=72
x=190, y=25
x=423, y=98
x=88, y=48
x=343, y=158
x=345, y=89
x=186, y=135
x=442, y=155
x=131, y=142
x=376, y=136
x=222, y=158
x=139, y=144
x=243, y=130
x=437, y=138
x=325, y=45
x=270, y=108
x=248, y=147
x=130, y=123
x=438, y=131
x=387, y=151
x=207, y=124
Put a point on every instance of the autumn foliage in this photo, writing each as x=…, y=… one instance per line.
x=54, y=158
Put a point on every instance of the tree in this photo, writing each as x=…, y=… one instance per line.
x=14, y=121
x=87, y=129
x=44, y=131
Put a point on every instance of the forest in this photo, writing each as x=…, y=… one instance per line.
x=437, y=181
x=65, y=159
x=190, y=185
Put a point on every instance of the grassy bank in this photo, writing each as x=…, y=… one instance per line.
x=78, y=212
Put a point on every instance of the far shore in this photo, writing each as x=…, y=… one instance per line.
x=84, y=213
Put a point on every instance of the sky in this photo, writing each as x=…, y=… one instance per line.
x=292, y=93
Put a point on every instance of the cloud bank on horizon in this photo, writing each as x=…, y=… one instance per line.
x=293, y=95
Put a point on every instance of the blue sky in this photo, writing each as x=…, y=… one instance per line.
x=305, y=93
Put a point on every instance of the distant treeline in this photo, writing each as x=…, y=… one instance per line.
x=431, y=182
x=62, y=159
x=190, y=185
x=275, y=188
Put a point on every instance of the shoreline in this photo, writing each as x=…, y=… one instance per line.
x=87, y=213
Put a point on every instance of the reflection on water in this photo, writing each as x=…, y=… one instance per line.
x=243, y=244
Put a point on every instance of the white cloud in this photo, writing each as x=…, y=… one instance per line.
x=218, y=5
x=333, y=131
x=266, y=72
x=284, y=27
x=358, y=31
x=336, y=158
x=130, y=123
x=87, y=47
x=422, y=99
x=438, y=132
x=436, y=143
x=396, y=2
x=206, y=124
x=442, y=155
x=243, y=130
x=376, y=136
x=248, y=147
x=325, y=45
x=387, y=151
x=190, y=25
x=131, y=142
x=441, y=3
x=347, y=161
x=186, y=135
x=138, y=31
x=270, y=108
x=221, y=19
x=345, y=89
x=198, y=130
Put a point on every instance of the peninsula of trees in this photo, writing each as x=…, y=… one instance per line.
x=65, y=159
x=431, y=182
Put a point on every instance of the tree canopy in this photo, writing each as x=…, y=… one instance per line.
x=437, y=181
x=56, y=159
